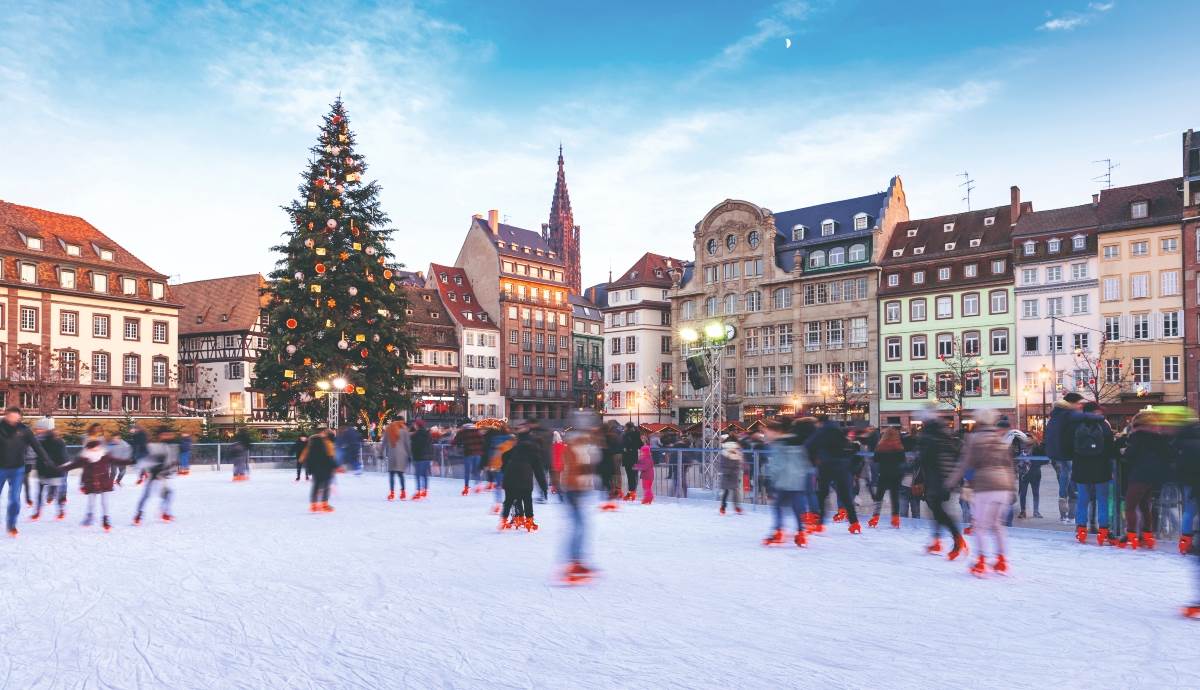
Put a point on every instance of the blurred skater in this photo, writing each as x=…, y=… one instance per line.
x=397, y=450
x=790, y=474
x=320, y=460
x=239, y=456
x=522, y=466
x=470, y=441
x=99, y=471
x=645, y=468
x=988, y=455
x=731, y=464
x=889, y=461
x=15, y=441
x=422, y=455
x=580, y=457
x=159, y=465
x=298, y=448
x=937, y=455
x=52, y=483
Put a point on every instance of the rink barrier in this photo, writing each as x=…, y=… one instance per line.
x=689, y=474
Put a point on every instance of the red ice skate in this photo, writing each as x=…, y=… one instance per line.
x=12, y=532
x=873, y=522
x=391, y=495
x=855, y=528
x=774, y=538
x=801, y=540
x=1081, y=535
x=1185, y=544
x=980, y=567
x=1130, y=540
x=934, y=547
x=167, y=517
x=1102, y=536
x=840, y=515
x=1001, y=566
x=530, y=525
x=326, y=508
x=402, y=495
x=896, y=521
x=577, y=573
x=960, y=547
x=466, y=491
x=1148, y=540
x=1192, y=612
x=722, y=510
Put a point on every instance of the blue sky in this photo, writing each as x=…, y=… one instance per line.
x=180, y=129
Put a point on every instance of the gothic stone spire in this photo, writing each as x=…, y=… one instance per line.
x=561, y=232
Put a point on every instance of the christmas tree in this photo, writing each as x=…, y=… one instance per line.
x=336, y=312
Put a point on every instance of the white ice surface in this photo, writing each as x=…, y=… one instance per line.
x=248, y=590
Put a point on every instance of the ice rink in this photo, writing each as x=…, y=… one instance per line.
x=249, y=590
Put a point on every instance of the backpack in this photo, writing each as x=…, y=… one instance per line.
x=1089, y=440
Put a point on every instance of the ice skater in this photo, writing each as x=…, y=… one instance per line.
x=645, y=468
x=790, y=474
x=987, y=454
x=297, y=449
x=51, y=482
x=159, y=465
x=15, y=441
x=239, y=454
x=579, y=460
x=470, y=441
x=522, y=466
x=731, y=464
x=422, y=456
x=320, y=460
x=397, y=450
x=98, y=478
x=889, y=459
x=938, y=457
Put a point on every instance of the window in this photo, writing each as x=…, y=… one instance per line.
x=1169, y=245
x=970, y=304
x=1170, y=324
x=834, y=333
x=29, y=319
x=1111, y=252
x=797, y=233
x=1139, y=209
x=1139, y=248
x=891, y=312
x=916, y=309
x=972, y=384
x=128, y=286
x=1000, y=382
x=782, y=298
x=858, y=331
x=630, y=343
x=100, y=367
x=68, y=364
x=858, y=252
x=998, y=266
x=998, y=301
x=945, y=385
x=918, y=277
x=28, y=272
x=945, y=345
x=664, y=345
x=944, y=273
x=1054, y=274
x=730, y=304
x=710, y=276
x=616, y=373
x=1079, y=304
x=66, y=278
x=1030, y=345
x=917, y=347
x=970, y=342
x=1054, y=245
x=1028, y=276
x=1078, y=242
x=752, y=239
x=1054, y=306
x=816, y=259
x=131, y=403
x=731, y=242
x=895, y=387
x=235, y=371
x=944, y=307
x=785, y=379
x=158, y=371
x=160, y=331
x=989, y=221
x=1141, y=370
x=837, y=256
x=1112, y=328
x=827, y=227
x=131, y=328
x=754, y=267
x=688, y=310
x=892, y=349
x=1171, y=369
x=1079, y=271
x=132, y=370
x=893, y=280
x=1080, y=342
x=812, y=378
x=1029, y=309
x=1169, y=283
x=860, y=221
x=158, y=403
x=99, y=282
x=971, y=270
x=1139, y=286
x=68, y=401
x=751, y=380
x=999, y=341
x=754, y=300
x=1112, y=371
x=1111, y=289
x=1141, y=326
x=920, y=386
x=68, y=323
x=1055, y=342
x=157, y=290
x=631, y=372
x=730, y=270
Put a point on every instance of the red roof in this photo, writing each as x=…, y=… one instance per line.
x=652, y=269
x=220, y=304
x=458, y=297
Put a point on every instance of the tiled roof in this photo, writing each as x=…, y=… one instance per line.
x=454, y=287
x=1069, y=218
x=597, y=294
x=57, y=231
x=509, y=236
x=428, y=317
x=220, y=304
x=841, y=212
x=1165, y=198
x=930, y=238
x=585, y=309
x=651, y=270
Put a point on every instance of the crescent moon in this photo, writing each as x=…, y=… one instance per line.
x=787, y=43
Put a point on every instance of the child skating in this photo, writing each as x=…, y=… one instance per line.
x=97, y=479
x=645, y=468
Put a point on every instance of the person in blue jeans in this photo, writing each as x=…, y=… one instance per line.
x=1091, y=472
x=422, y=453
x=1029, y=473
x=15, y=440
x=185, y=454
x=791, y=476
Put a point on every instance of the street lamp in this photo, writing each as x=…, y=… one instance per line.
x=1043, y=376
x=332, y=389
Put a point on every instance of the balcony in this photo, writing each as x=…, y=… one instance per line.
x=527, y=347
x=527, y=370
x=540, y=371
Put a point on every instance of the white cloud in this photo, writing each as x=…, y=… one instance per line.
x=776, y=25
x=1102, y=6
x=1073, y=20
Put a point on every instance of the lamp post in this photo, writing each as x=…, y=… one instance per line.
x=1043, y=376
x=332, y=388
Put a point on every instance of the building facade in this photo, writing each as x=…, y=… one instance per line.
x=946, y=314
x=87, y=330
x=1141, y=278
x=220, y=338
x=640, y=361
x=753, y=273
x=480, y=339
x=1058, y=304
x=1191, y=262
x=587, y=344
x=433, y=365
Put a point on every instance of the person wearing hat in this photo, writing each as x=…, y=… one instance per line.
x=1066, y=416
x=51, y=479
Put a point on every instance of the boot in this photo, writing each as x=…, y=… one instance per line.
x=1130, y=540
x=968, y=530
x=935, y=546
x=106, y=524
x=738, y=510
x=326, y=508
x=12, y=532
x=840, y=515
x=775, y=537
x=62, y=513
x=466, y=491
x=855, y=528
x=1185, y=544
x=167, y=517
x=87, y=521
x=1021, y=515
x=504, y=524
x=801, y=540
x=896, y=521
x=402, y=495
x=1192, y=612
x=137, y=519
x=530, y=525
x=632, y=496
x=391, y=495
x=960, y=546
x=980, y=567
x=35, y=516
x=1001, y=565
x=608, y=507
x=874, y=521
x=1148, y=540
x=1081, y=535
x=1102, y=536
x=817, y=527
x=647, y=501
x=314, y=507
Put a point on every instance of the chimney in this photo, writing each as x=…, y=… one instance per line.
x=494, y=221
x=1014, y=210
x=1095, y=198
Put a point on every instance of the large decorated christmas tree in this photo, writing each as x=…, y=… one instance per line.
x=336, y=312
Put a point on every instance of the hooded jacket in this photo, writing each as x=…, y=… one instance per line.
x=97, y=469
x=987, y=454
x=1149, y=455
x=1095, y=469
x=521, y=465
x=56, y=456
x=730, y=465
x=319, y=456
x=937, y=458
x=1060, y=430
x=788, y=468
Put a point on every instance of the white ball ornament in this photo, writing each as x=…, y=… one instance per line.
x=331, y=223
x=352, y=290
x=343, y=344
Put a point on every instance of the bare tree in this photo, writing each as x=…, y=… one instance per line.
x=1104, y=377
x=197, y=384
x=41, y=377
x=959, y=379
x=659, y=392
x=849, y=393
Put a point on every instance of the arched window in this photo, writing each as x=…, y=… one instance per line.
x=816, y=259
x=858, y=252
x=731, y=303
x=710, y=306
x=837, y=256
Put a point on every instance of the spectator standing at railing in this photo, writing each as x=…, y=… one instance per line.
x=349, y=448
x=1091, y=471
x=889, y=461
x=397, y=450
x=298, y=449
x=422, y=454
x=1060, y=446
x=1148, y=453
x=631, y=443
x=937, y=457
x=470, y=442
x=828, y=450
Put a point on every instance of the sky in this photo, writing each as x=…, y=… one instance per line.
x=179, y=129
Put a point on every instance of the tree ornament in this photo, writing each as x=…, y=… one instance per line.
x=299, y=275
x=310, y=225
x=331, y=303
x=289, y=374
x=352, y=290
x=352, y=177
x=314, y=288
x=337, y=203
x=336, y=119
x=370, y=251
x=331, y=224
x=310, y=242
x=291, y=349
x=343, y=138
x=356, y=246
x=348, y=160
x=291, y=323
x=375, y=337
x=390, y=347
x=320, y=251
x=341, y=189
x=387, y=274
x=312, y=203
x=308, y=360
x=392, y=287
x=355, y=311
x=344, y=255
x=360, y=390
x=360, y=338
x=320, y=335
x=320, y=182
x=354, y=231
x=329, y=323
x=343, y=344
x=363, y=353
x=319, y=268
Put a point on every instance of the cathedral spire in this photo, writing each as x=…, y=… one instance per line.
x=561, y=232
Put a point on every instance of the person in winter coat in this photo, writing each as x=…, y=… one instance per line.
x=97, y=479
x=556, y=464
x=987, y=455
x=937, y=454
x=544, y=442
x=790, y=474
x=159, y=465
x=730, y=465
x=239, y=456
x=521, y=467
x=470, y=442
x=827, y=449
x=15, y=440
x=139, y=441
x=1148, y=453
x=422, y=455
x=348, y=446
x=610, y=466
x=889, y=463
x=645, y=468
x=1091, y=471
x=298, y=448
x=320, y=459
x=631, y=443
x=1060, y=445
x=185, y=454
x=51, y=480
x=498, y=442
x=397, y=451
x=581, y=455
x=1187, y=447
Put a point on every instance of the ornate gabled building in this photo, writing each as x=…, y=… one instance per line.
x=433, y=365
x=777, y=277
x=480, y=339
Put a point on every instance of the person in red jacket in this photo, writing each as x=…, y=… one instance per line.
x=97, y=478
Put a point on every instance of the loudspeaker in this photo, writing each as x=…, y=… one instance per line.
x=697, y=369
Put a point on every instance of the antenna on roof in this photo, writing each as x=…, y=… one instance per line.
x=969, y=184
x=1106, y=178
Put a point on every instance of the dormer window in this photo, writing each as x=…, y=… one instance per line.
x=918, y=277
x=100, y=282
x=128, y=286
x=106, y=255
x=911, y=233
x=28, y=272
x=918, y=250
x=989, y=221
x=1139, y=209
x=443, y=277
x=1078, y=242
x=948, y=227
x=458, y=280
x=1053, y=245
x=860, y=221
x=658, y=273
x=976, y=243
x=827, y=227
x=157, y=290
x=66, y=278
x=483, y=317
x=467, y=298
x=897, y=252
x=453, y=297
x=798, y=232
x=468, y=316
x=34, y=243
x=73, y=250
x=1029, y=248
x=893, y=279
x=949, y=246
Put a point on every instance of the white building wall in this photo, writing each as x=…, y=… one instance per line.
x=478, y=346
x=647, y=334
